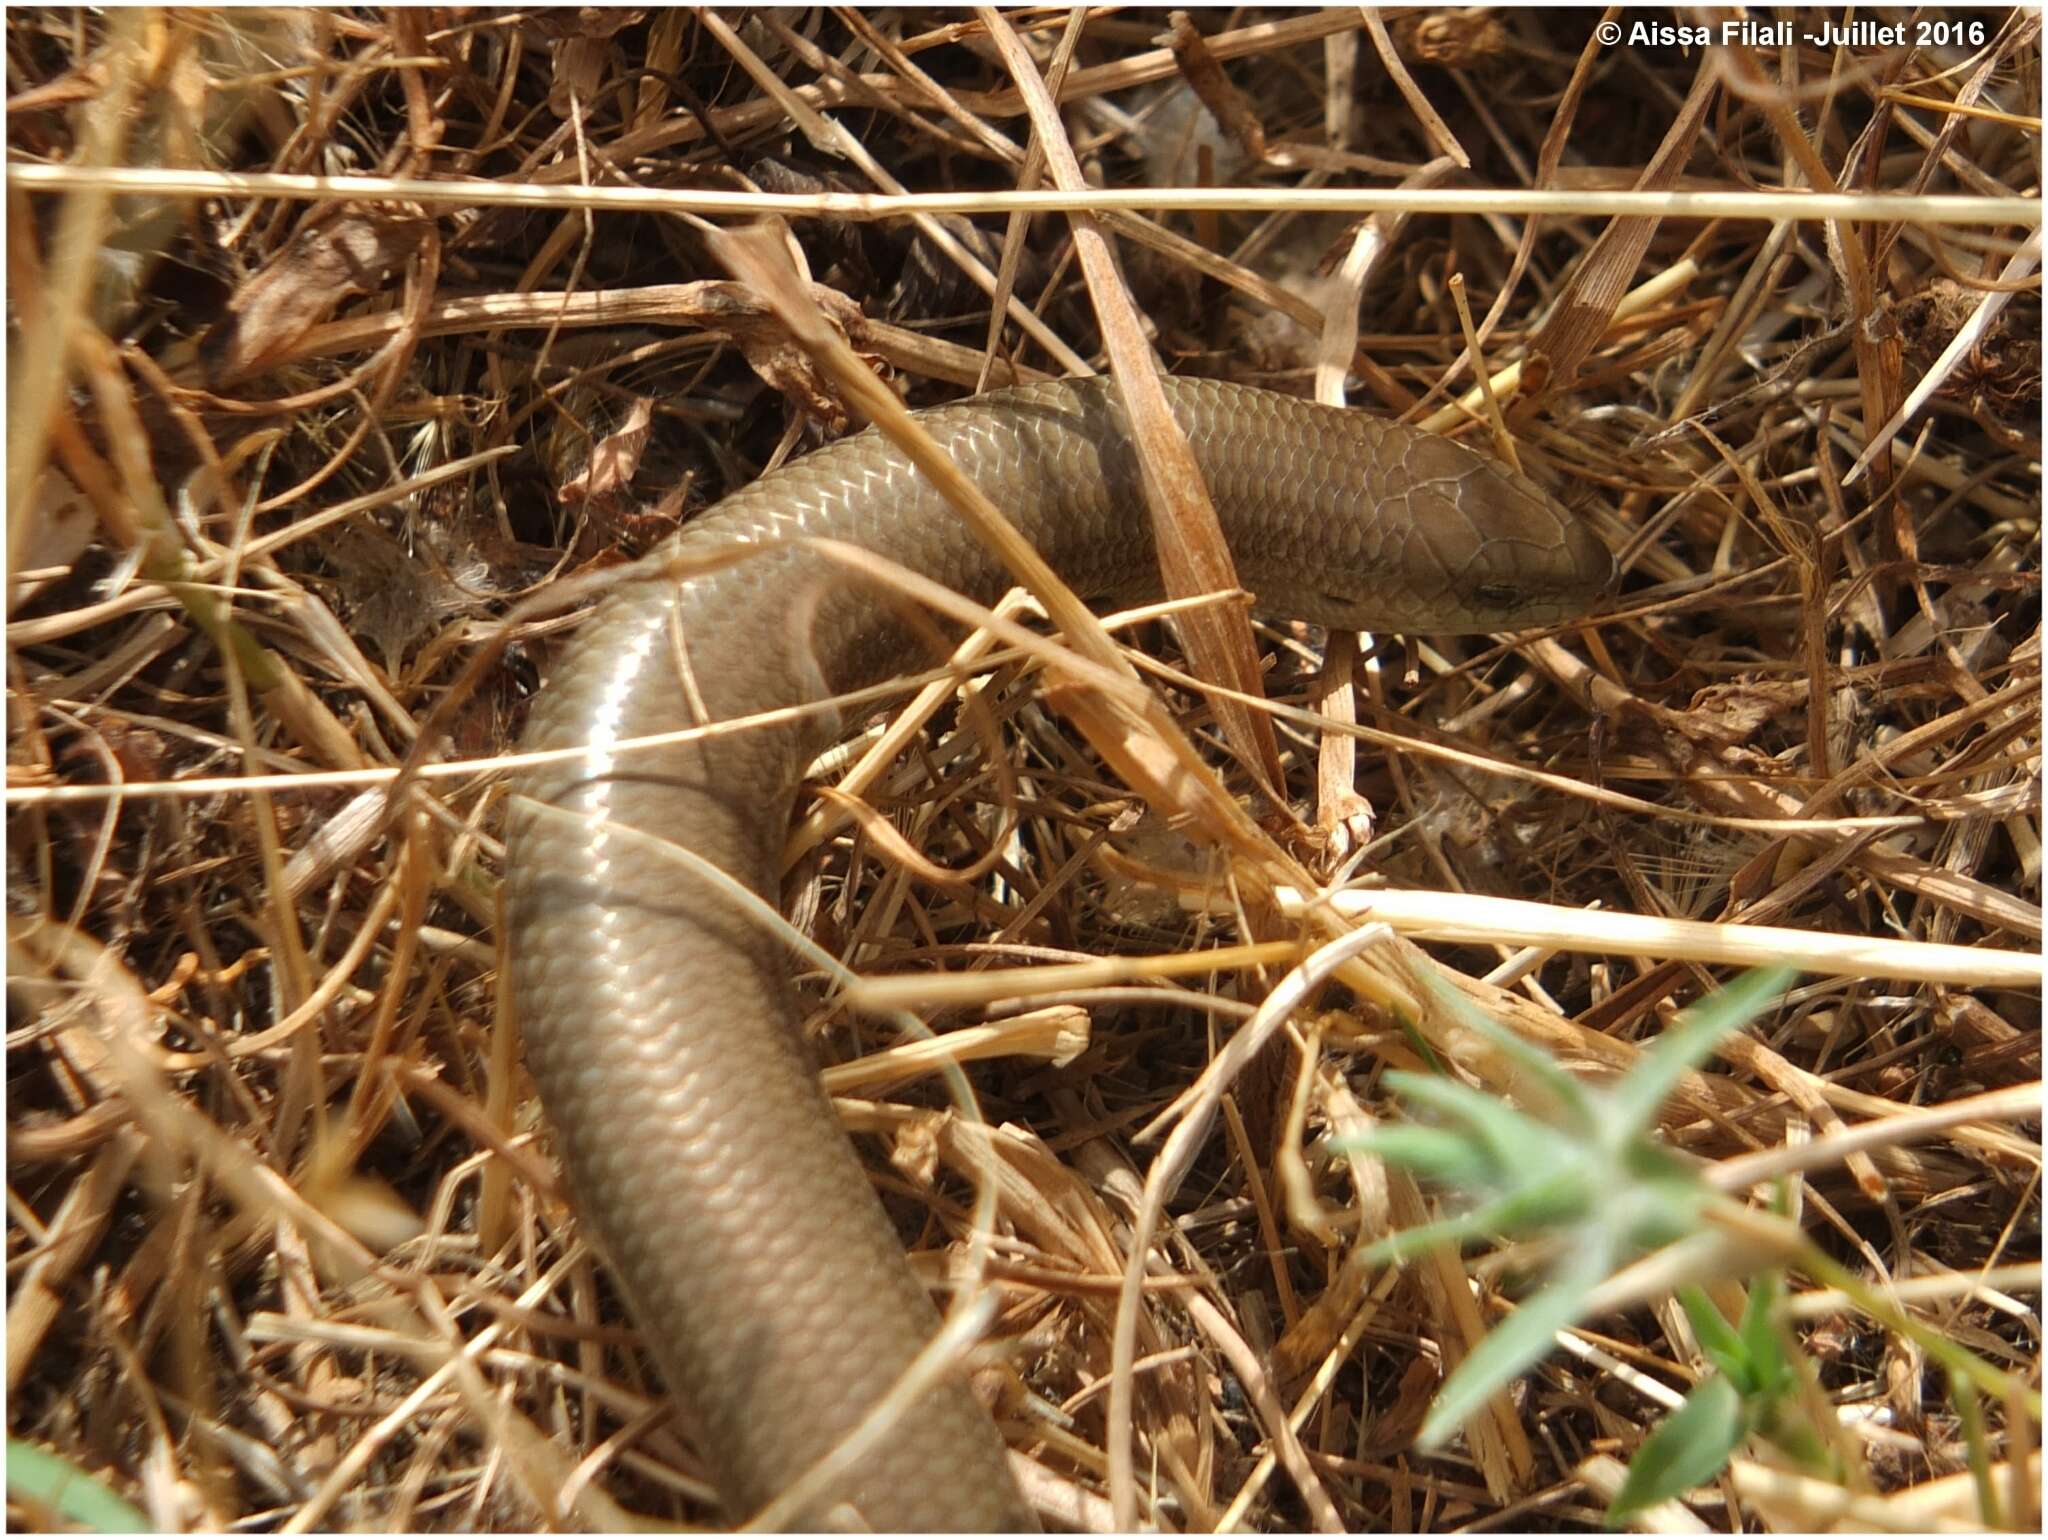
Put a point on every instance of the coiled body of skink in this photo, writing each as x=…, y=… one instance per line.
x=660, y=1022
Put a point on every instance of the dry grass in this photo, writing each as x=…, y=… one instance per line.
x=285, y=1240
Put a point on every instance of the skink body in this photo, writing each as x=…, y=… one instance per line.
x=660, y=1023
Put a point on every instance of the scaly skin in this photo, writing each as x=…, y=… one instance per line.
x=661, y=1025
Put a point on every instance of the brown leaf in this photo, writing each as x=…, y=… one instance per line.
x=579, y=72
x=355, y=252
x=771, y=353
x=616, y=457
x=1733, y=714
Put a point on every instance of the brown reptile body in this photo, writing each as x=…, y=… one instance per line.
x=661, y=1024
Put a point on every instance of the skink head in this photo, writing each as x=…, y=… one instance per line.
x=1531, y=563
x=1459, y=543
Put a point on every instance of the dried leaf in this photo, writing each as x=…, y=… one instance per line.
x=331, y=261
x=616, y=457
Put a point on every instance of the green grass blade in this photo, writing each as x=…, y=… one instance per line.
x=1436, y=1153
x=1770, y=1374
x=1687, y=1448
x=34, y=1475
x=1990, y=1512
x=1519, y=1341
x=1724, y=1346
x=1632, y=1102
x=1416, y=1239
x=1538, y=1064
x=1517, y=1143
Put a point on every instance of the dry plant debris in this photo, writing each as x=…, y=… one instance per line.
x=286, y=1247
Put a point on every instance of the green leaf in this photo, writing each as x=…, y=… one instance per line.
x=1556, y=1201
x=1796, y=1438
x=1416, y=1239
x=1520, y=1340
x=1511, y=1215
x=1665, y=1201
x=1632, y=1102
x=1436, y=1153
x=1770, y=1373
x=1724, y=1346
x=1688, y=1447
x=1518, y=1144
x=34, y=1475
x=1571, y=1096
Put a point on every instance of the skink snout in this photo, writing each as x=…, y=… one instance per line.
x=1526, y=560
x=1590, y=564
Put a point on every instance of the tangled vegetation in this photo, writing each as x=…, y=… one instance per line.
x=293, y=470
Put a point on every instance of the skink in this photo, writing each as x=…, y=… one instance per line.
x=660, y=1023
